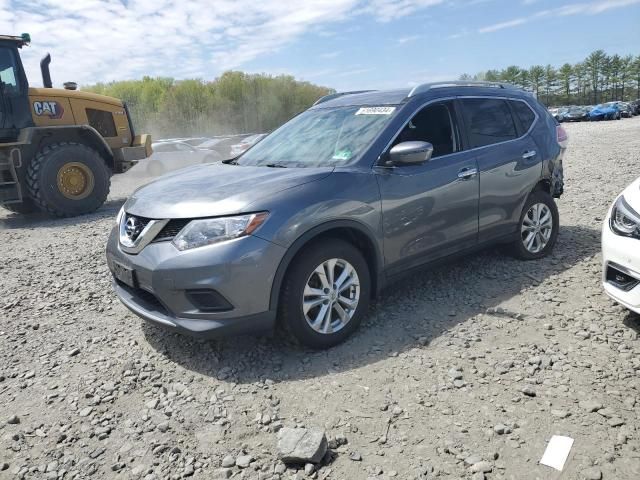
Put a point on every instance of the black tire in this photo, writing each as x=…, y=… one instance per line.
x=291, y=313
x=42, y=175
x=25, y=207
x=518, y=247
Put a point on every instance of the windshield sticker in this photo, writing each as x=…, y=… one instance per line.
x=342, y=155
x=376, y=111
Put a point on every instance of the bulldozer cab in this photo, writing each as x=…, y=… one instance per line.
x=14, y=89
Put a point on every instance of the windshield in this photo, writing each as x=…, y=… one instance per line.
x=320, y=138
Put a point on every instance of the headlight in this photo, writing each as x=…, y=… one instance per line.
x=119, y=216
x=206, y=231
x=624, y=219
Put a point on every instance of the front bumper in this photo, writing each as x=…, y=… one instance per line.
x=127, y=157
x=238, y=274
x=621, y=255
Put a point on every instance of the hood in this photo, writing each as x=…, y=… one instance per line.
x=215, y=189
x=74, y=94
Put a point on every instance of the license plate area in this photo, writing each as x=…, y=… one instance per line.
x=125, y=274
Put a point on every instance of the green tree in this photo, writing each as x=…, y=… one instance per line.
x=595, y=64
x=550, y=78
x=565, y=77
x=536, y=76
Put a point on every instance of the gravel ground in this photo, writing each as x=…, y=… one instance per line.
x=460, y=372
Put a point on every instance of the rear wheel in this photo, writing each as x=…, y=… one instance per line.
x=538, y=227
x=325, y=294
x=68, y=179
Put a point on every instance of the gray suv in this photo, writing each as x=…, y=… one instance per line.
x=306, y=227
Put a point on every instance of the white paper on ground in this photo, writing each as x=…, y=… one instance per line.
x=557, y=452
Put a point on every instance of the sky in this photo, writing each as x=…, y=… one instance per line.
x=342, y=44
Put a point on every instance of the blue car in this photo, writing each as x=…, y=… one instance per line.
x=605, y=111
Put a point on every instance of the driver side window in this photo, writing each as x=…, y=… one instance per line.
x=8, y=72
x=434, y=124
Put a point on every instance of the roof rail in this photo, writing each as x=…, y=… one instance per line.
x=428, y=86
x=331, y=96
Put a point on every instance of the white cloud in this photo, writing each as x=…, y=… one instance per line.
x=587, y=8
x=408, y=39
x=502, y=25
x=103, y=40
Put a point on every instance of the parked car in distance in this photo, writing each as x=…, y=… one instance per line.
x=246, y=144
x=621, y=249
x=625, y=109
x=172, y=155
x=362, y=188
x=576, y=114
x=558, y=113
x=605, y=111
x=223, y=144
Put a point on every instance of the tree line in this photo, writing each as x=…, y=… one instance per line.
x=598, y=78
x=235, y=102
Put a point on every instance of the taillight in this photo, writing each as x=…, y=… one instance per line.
x=562, y=136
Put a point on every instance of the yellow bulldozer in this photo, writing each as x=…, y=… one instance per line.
x=59, y=147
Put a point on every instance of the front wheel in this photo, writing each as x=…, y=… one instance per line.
x=325, y=294
x=538, y=227
x=68, y=179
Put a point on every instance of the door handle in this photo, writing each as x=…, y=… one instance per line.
x=529, y=154
x=467, y=173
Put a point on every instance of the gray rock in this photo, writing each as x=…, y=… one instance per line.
x=309, y=468
x=355, y=456
x=501, y=429
x=13, y=420
x=74, y=352
x=85, y=412
x=243, y=461
x=228, y=462
x=301, y=445
x=592, y=473
x=472, y=460
x=590, y=405
x=222, y=474
x=483, y=466
x=528, y=391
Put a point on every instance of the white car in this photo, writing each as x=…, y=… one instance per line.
x=621, y=249
x=171, y=155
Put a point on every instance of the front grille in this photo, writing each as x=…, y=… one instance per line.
x=170, y=230
x=134, y=225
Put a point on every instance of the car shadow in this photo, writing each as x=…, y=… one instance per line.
x=412, y=313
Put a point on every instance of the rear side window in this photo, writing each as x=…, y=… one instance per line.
x=524, y=114
x=488, y=121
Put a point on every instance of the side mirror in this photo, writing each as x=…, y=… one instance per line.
x=411, y=153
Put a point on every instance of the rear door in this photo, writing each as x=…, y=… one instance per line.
x=508, y=160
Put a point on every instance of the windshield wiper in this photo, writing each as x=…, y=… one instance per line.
x=275, y=165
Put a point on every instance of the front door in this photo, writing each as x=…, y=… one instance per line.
x=430, y=210
x=14, y=104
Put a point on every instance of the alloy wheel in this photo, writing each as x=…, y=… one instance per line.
x=331, y=296
x=537, y=226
